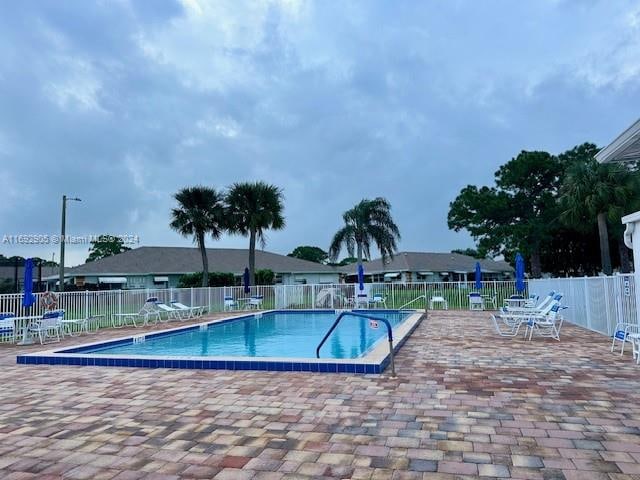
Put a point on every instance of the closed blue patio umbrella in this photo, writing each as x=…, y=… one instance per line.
x=28, y=298
x=246, y=280
x=360, y=277
x=519, y=273
x=478, y=276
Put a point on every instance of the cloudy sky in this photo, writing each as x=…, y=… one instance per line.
x=123, y=102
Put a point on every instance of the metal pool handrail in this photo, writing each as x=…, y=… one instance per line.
x=411, y=301
x=370, y=317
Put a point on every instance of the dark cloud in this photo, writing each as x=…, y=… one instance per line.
x=122, y=103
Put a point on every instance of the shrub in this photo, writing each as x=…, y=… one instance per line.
x=216, y=279
x=265, y=277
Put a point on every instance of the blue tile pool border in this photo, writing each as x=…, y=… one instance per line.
x=78, y=355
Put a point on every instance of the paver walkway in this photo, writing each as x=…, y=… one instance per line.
x=463, y=405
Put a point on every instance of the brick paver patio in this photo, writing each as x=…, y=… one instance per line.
x=466, y=403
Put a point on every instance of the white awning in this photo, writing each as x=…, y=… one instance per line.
x=391, y=275
x=444, y=273
x=625, y=148
x=112, y=279
x=425, y=273
x=160, y=279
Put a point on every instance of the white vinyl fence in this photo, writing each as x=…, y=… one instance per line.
x=78, y=305
x=597, y=303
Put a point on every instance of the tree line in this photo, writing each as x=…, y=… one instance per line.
x=252, y=208
x=561, y=211
x=247, y=209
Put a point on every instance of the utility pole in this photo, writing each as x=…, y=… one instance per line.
x=63, y=239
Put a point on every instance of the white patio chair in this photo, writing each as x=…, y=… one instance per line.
x=255, y=302
x=490, y=300
x=7, y=327
x=622, y=333
x=190, y=312
x=172, y=313
x=475, y=301
x=147, y=313
x=230, y=304
x=49, y=325
x=361, y=298
x=378, y=300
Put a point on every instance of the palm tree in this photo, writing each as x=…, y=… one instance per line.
x=252, y=208
x=369, y=221
x=596, y=191
x=200, y=211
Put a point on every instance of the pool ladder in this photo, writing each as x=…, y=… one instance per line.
x=369, y=317
x=414, y=300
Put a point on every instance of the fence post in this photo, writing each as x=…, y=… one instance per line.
x=424, y=284
x=586, y=302
x=86, y=304
x=606, y=302
x=120, y=302
x=393, y=294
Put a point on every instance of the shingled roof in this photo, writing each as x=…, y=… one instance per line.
x=429, y=262
x=179, y=260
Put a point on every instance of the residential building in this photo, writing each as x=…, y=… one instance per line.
x=428, y=267
x=162, y=267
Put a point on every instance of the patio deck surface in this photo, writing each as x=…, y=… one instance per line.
x=463, y=405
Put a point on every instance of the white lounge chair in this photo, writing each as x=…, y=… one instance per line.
x=532, y=301
x=538, y=312
x=511, y=326
x=50, y=325
x=324, y=298
x=190, y=312
x=7, y=327
x=547, y=326
x=623, y=333
x=530, y=304
x=172, y=313
x=147, y=313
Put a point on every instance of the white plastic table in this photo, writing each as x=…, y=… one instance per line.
x=515, y=302
x=438, y=300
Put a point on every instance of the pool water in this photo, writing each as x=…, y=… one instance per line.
x=272, y=334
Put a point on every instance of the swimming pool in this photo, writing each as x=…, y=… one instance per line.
x=273, y=340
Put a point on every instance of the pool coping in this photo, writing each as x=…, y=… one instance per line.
x=373, y=362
